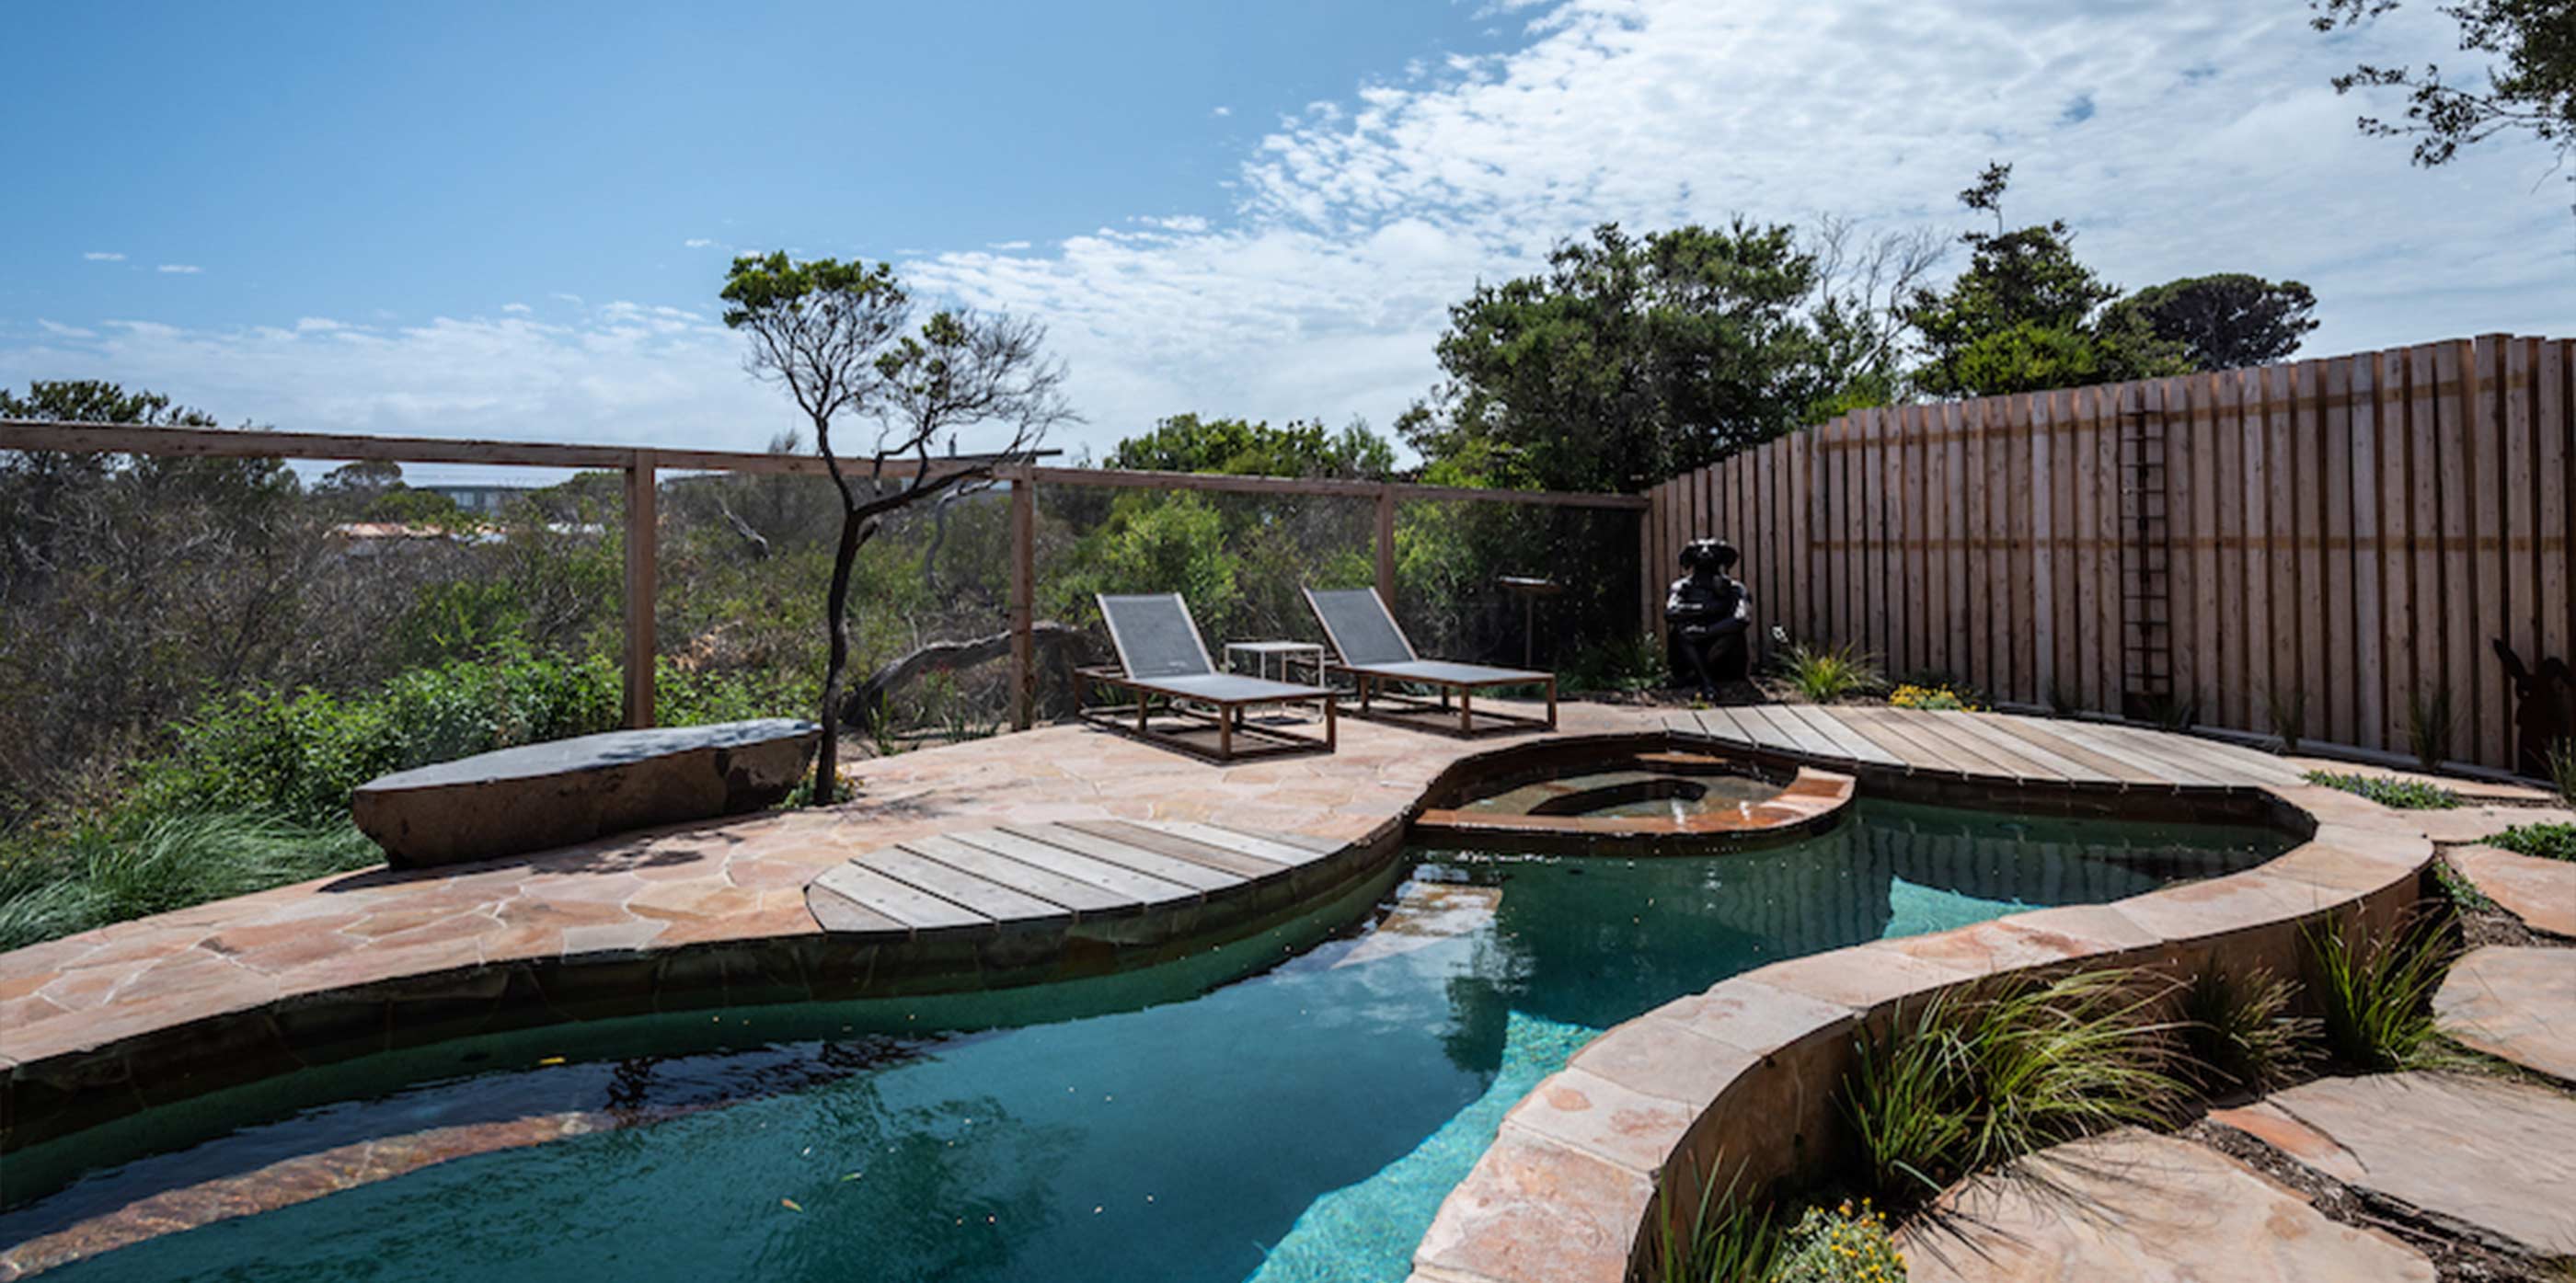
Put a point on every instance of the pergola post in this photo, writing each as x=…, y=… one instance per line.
x=643, y=533
x=1386, y=545
x=1024, y=582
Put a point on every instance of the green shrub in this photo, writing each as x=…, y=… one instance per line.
x=2376, y=993
x=2241, y=1033
x=114, y=872
x=2548, y=841
x=1827, y=675
x=2562, y=770
x=1987, y=1073
x=1738, y=1244
x=2429, y=721
x=1841, y=1244
x=2403, y=795
x=1626, y=664
x=301, y=754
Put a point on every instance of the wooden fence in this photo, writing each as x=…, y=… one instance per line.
x=2334, y=543
x=642, y=467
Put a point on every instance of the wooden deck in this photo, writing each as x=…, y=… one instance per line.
x=1983, y=746
x=1032, y=875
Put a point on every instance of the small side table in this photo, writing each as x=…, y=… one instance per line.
x=1282, y=653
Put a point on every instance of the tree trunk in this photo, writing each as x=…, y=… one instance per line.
x=827, y=755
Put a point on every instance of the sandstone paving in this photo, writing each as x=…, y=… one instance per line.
x=2541, y=892
x=2491, y=1157
x=711, y=882
x=2516, y=1004
x=2478, y=823
x=2130, y=1205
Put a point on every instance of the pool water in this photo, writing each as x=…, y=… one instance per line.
x=1299, y=1123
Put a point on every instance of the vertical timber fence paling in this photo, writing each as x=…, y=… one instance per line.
x=2331, y=547
x=643, y=535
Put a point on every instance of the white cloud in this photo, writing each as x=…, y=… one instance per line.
x=60, y=330
x=104, y=256
x=520, y=308
x=2213, y=142
x=630, y=373
x=181, y=269
x=1221, y=112
x=696, y=242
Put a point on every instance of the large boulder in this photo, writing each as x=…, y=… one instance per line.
x=555, y=794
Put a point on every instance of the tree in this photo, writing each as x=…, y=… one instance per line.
x=2026, y=315
x=1627, y=361
x=1244, y=448
x=2228, y=321
x=839, y=337
x=2531, y=87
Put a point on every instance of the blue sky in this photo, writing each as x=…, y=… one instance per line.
x=510, y=220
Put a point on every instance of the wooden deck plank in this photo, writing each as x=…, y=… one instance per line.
x=2055, y=765
x=995, y=900
x=2230, y=763
x=1163, y=841
x=1199, y=875
x=1320, y=846
x=1829, y=723
x=1794, y=735
x=1923, y=749
x=1049, y=848
x=1890, y=734
x=916, y=909
x=841, y=915
x=1723, y=724
x=2177, y=752
x=2118, y=768
x=1083, y=897
x=1236, y=840
x=2163, y=769
x=1959, y=752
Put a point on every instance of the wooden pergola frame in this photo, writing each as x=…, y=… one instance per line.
x=641, y=464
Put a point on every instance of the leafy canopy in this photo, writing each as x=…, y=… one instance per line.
x=1629, y=359
x=2228, y=321
x=1246, y=448
x=2531, y=84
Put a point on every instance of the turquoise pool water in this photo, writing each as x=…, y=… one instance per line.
x=1301, y=1122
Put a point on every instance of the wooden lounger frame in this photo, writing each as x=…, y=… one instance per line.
x=1227, y=716
x=1412, y=710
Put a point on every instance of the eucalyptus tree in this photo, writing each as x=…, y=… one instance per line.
x=841, y=338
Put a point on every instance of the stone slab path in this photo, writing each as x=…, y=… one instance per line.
x=2516, y=1004
x=2129, y=1205
x=2540, y=892
x=2493, y=1158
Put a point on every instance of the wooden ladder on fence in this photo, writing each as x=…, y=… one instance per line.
x=2146, y=569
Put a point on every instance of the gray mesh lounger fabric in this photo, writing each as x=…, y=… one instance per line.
x=1369, y=641
x=1160, y=653
x=1442, y=673
x=1360, y=626
x=1155, y=636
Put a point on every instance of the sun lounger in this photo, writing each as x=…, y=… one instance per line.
x=1373, y=650
x=1161, y=656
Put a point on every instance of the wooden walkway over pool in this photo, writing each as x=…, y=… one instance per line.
x=1983, y=747
x=1032, y=875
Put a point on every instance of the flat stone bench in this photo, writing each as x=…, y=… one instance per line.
x=540, y=796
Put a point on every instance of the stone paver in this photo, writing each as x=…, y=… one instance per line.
x=2133, y=1206
x=2478, y=823
x=2515, y=1004
x=733, y=882
x=2494, y=1157
x=2472, y=789
x=2540, y=892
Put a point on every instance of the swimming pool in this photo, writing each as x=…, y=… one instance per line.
x=1292, y=1107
